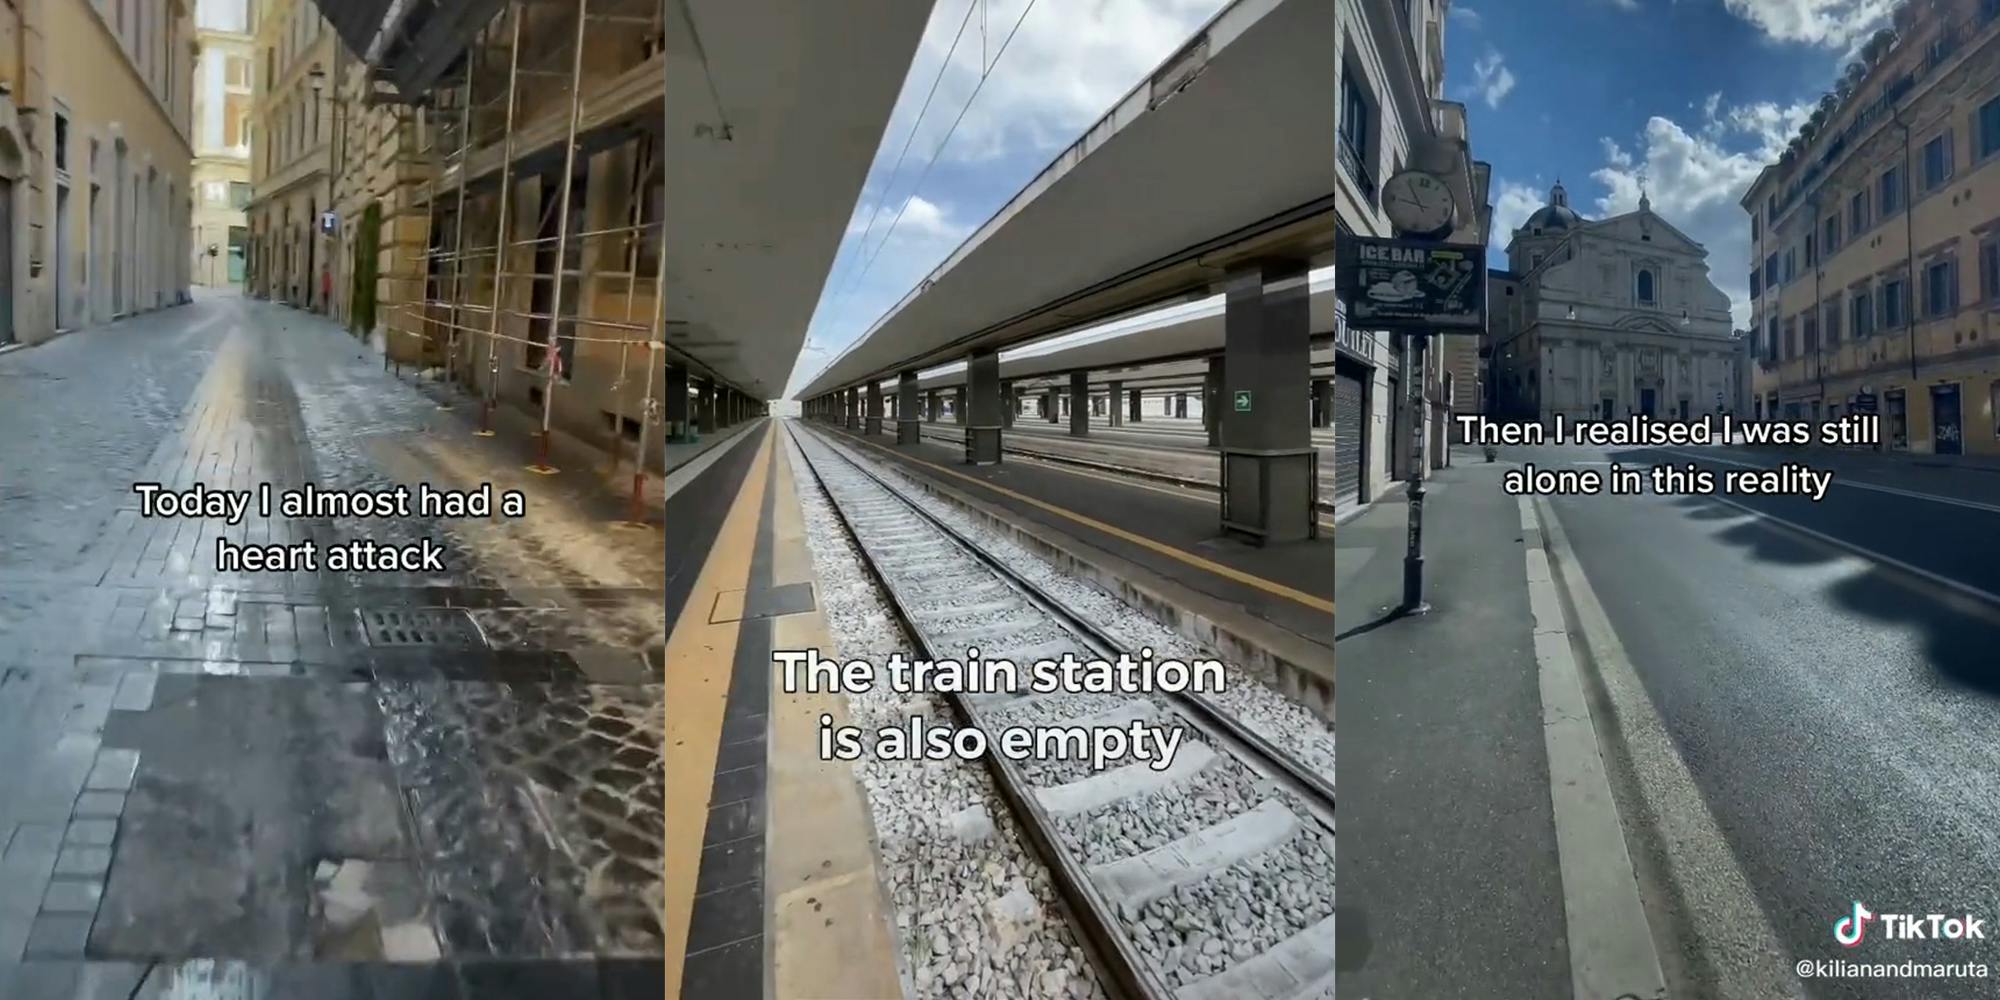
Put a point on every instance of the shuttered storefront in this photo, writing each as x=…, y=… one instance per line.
x=1350, y=422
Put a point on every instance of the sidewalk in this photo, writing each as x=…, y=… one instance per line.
x=1449, y=874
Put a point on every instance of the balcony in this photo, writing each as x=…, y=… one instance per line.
x=1354, y=163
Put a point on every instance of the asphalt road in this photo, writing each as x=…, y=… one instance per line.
x=1839, y=714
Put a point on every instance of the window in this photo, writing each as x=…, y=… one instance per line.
x=1756, y=282
x=1832, y=240
x=1864, y=313
x=1989, y=128
x=1791, y=263
x=1645, y=289
x=1895, y=303
x=239, y=194
x=1937, y=162
x=1771, y=271
x=1353, y=115
x=62, y=142
x=212, y=192
x=1809, y=330
x=1771, y=338
x=236, y=72
x=1792, y=337
x=1756, y=233
x=1537, y=261
x=1940, y=290
x=1830, y=320
x=1812, y=242
x=1857, y=213
x=1891, y=186
x=1989, y=271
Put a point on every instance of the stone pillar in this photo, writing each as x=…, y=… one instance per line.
x=1116, y=404
x=853, y=409
x=931, y=406
x=1180, y=405
x=1009, y=404
x=909, y=413
x=1050, y=411
x=958, y=407
x=677, y=403
x=874, y=427
x=1267, y=453
x=982, y=408
x=1323, y=402
x=1212, y=400
x=1138, y=396
x=1079, y=404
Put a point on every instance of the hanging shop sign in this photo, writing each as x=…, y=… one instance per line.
x=1412, y=285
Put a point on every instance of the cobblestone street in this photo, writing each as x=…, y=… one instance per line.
x=312, y=783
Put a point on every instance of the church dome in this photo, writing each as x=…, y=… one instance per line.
x=1555, y=216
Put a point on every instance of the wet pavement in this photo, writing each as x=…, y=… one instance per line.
x=311, y=784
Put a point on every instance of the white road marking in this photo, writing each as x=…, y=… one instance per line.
x=1611, y=948
x=1732, y=933
x=1840, y=479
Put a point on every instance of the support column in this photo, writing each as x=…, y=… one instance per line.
x=1180, y=406
x=958, y=407
x=1050, y=411
x=909, y=413
x=1323, y=402
x=711, y=396
x=853, y=409
x=981, y=412
x=874, y=428
x=1079, y=404
x=1211, y=403
x=1267, y=455
x=1009, y=405
x=932, y=408
x=1138, y=397
x=1116, y=404
x=677, y=403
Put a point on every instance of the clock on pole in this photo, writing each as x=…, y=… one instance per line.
x=1420, y=204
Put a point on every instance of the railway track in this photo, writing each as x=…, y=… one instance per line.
x=1209, y=879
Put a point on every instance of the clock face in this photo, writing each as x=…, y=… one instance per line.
x=1418, y=202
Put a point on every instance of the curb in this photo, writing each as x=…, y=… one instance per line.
x=1612, y=952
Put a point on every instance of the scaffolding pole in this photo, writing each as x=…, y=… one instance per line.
x=491, y=396
x=458, y=240
x=553, y=358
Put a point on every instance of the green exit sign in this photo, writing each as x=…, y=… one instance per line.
x=1243, y=401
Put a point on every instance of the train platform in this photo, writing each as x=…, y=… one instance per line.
x=1161, y=547
x=1166, y=456
x=769, y=853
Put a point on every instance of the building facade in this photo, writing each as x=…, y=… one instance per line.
x=1877, y=234
x=94, y=162
x=221, y=180
x=1389, y=63
x=1608, y=319
x=291, y=168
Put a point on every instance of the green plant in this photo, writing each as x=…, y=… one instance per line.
x=367, y=251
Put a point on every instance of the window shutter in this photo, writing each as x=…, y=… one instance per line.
x=1951, y=285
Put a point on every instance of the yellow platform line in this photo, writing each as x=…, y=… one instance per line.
x=1180, y=555
x=699, y=660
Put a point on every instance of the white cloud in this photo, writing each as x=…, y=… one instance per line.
x=1696, y=180
x=1494, y=79
x=1827, y=23
x=1466, y=16
x=1513, y=206
x=1624, y=4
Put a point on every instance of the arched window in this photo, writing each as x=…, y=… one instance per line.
x=1645, y=283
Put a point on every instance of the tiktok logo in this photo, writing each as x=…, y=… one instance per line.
x=1849, y=929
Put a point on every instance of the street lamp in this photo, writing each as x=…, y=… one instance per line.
x=316, y=79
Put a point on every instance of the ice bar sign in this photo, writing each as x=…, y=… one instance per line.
x=1411, y=284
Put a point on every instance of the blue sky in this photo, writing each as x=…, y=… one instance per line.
x=1693, y=97
x=1008, y=106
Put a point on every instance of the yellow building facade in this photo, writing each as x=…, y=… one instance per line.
x=221, y=179
x=1877, y=285
x=95, y=160
x=291, y=156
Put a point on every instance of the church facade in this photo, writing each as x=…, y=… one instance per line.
x=1607, y=319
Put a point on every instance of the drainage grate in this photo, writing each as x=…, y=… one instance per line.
x=449, y=627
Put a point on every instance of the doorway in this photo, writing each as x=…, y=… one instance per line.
x=64, y=317
x=1648, y=399
x=1947, y=437
x=6, y=260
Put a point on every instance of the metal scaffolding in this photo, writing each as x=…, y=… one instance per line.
x=575, y=261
